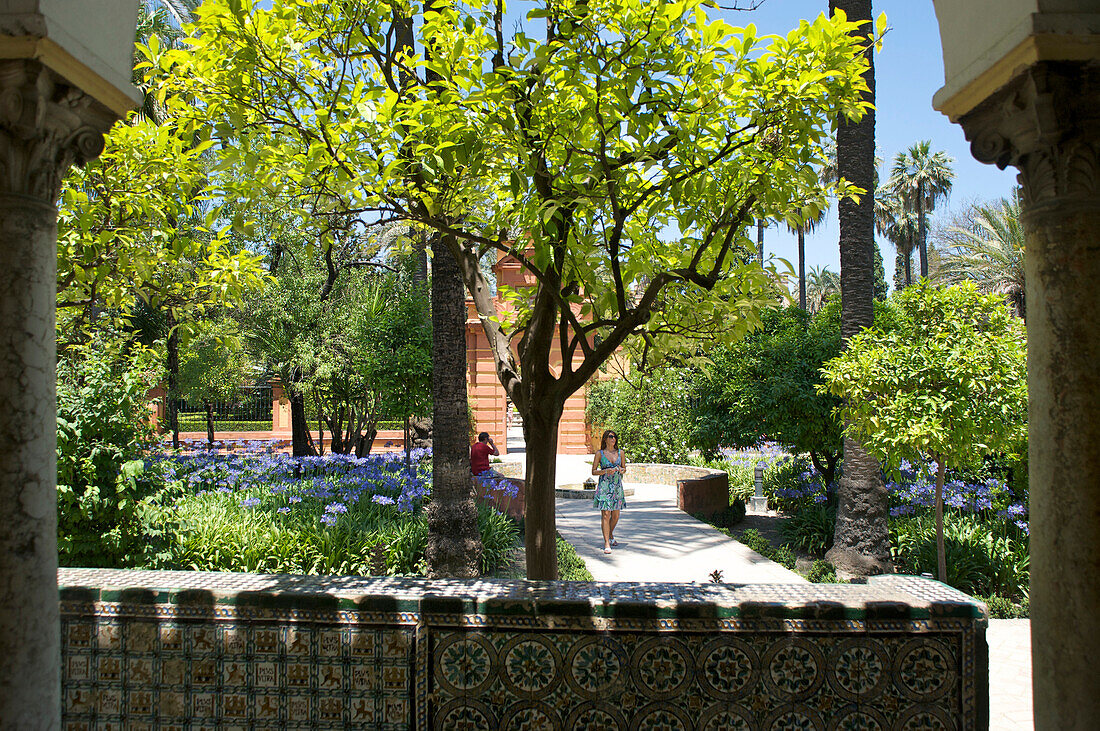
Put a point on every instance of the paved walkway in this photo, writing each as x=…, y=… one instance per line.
x=1009, y=674
x=658, y=542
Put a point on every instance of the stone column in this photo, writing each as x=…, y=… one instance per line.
x=45, y=126
x=1046, y=123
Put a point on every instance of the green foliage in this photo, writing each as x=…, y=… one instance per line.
x=987, y=247
x=103, y=485
x=948, y=382
x=822, y=572
x=652, y=418
x=217, y=533
x=782, y=555
x=358, y=344
x=1002, y=608
x=571, y=566
x=765, y=387
x=983, y=557
x=213, y=363
x=810, y=530
x=131, y=224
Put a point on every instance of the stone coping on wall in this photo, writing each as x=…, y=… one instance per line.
x=884, y=597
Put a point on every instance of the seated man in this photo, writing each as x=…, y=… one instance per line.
x=480, y=453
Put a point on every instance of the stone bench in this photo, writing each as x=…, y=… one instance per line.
x=149, y=649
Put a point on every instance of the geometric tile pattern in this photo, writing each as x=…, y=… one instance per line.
x=568, y=680
x=139, y=673
x=187, y=650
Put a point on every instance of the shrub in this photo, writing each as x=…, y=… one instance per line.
x=765, y=384
x=761, y=545
x=1002, y=608
x=983, y=556
x=571, y=566
x=103, y=484
x=811, y=529
x=652, y=418
x=822, y=572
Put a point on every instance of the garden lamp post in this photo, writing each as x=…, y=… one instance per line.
x=758, y=503
x=1022, y=78
x=64, y=79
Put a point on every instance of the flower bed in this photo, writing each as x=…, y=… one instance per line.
x=985, y=521
x=257, y=512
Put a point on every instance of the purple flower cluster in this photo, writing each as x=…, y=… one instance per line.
x=332, y=484
x=916, y=491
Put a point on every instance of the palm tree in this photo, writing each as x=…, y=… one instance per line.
x=922, y=178
x=989, y=251
x=899, y=225
x=861, y=541
x=821, y=283
x=805, y=220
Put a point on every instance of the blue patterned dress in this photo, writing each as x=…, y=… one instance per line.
x=609, y=490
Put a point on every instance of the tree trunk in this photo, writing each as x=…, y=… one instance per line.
x=540, y=431
x=861, y=543
x=760, y=241
x=407, y=439
x=454, y=543
x=941, y=554
x=801, y=267
x=300, y=440
x=922, y=231
x=173, y=347
x=827, y=470
x=909, y=267
x=899, y=269
x=209, y=421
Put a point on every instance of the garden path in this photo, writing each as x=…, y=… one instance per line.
x=657, y=542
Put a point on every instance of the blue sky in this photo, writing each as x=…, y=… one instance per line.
x=907, y=72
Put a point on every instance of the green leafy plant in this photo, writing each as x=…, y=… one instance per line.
x=983, y=557
x=947, y=383
x=822, y=572
x=652, y=417
x=103, y=431
x=782, y=555
x=810, y=529
x=571, y=566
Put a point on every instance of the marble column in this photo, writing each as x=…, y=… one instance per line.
x=45, y=126
x=1046, y=123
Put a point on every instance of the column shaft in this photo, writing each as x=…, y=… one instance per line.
x=30, y=689
x=1063, y=270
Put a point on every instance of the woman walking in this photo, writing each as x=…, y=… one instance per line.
x=609, y=464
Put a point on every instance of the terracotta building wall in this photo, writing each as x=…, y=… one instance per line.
x=487, y=398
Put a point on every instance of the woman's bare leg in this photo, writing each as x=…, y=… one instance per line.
x=605, y=524
x=612, y=522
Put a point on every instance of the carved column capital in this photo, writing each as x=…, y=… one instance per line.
x=46, y=125
x=1045, y=123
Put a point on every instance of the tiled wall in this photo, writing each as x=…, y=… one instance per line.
x=179, y=650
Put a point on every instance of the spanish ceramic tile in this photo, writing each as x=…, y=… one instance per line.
x=182, y=650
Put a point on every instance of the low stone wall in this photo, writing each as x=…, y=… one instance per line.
x=174, y=650
x=512, y=505
x=698, y=489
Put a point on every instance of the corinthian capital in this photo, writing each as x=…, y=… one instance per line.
x=1045, y=123
x=46, y=125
